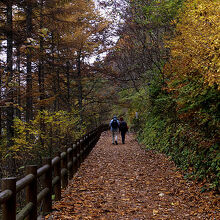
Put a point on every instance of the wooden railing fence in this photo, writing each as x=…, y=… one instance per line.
x=55, y=174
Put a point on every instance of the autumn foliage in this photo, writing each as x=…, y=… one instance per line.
x=50, y=83
x=195, y=47
x=193, y=74
x=168, y=53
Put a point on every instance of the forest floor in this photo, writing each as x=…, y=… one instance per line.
x=127, y=182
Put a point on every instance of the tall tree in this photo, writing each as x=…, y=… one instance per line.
x=41, y=52
x=29, y=97
x=10, y=98
x=79, y=81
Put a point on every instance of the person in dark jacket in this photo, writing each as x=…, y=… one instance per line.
x=114, y=126
x=123, y=128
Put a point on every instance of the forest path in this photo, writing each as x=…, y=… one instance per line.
x=126, y=182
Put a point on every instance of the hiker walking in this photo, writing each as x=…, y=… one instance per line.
x=114, y=126
x=123, y=128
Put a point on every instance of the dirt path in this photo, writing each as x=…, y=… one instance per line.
x=126, y=182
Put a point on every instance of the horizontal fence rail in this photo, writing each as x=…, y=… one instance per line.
x=55, y=174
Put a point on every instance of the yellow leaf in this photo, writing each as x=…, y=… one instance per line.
x=155, y=211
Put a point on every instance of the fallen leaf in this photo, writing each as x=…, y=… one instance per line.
x=155, y=211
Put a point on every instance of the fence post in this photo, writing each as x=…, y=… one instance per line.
x=64, y=171
x=78, y=153
x=81, y=150
x=70, y=162
x=74, y=159
x=92, y=141
x=85, y=147
x=9, y=207
x=57, y=172
x=88, y=143
x=47, y=203
x=31, y=191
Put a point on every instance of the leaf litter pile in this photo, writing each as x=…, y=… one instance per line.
x=126, y=182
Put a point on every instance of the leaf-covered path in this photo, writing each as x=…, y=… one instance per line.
x=127, y=182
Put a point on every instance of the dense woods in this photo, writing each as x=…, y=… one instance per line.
x=65, y=69
x=167, y=63
x=51, y=84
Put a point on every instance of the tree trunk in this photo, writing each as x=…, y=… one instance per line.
x=68, y=84
x=79, y=79
x=18, y=112
x=53, y=72
x=1, y=71
x=11, y=168
x=41, y=77
x=58, y=74
x=29, y=98
x=10, y=110
x=40, y=67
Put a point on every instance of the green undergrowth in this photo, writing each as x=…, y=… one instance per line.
x=197, y=163
x=193, y=149
x=187, y=135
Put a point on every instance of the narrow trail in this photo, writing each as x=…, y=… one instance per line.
x=126, y=182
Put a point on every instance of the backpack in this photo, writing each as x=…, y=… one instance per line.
x=114, y=124
x=123, y=126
